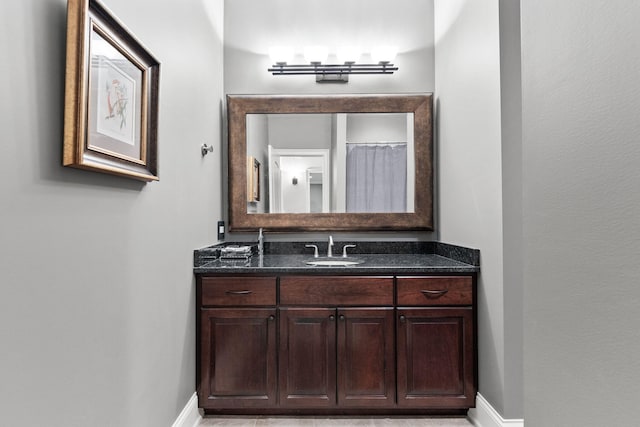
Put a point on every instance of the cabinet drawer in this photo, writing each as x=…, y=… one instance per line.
x=336, y=290
x=435, y=290
x=238, y=291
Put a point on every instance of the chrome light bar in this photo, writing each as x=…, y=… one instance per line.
x=331, y=73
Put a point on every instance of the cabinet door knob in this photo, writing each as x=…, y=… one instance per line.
x=402, y=318
x=332, y=317
x=272, y=317
x=341, y=317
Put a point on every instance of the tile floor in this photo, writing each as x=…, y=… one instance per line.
x=333, y=421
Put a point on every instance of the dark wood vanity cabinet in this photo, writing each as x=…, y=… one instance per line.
x=435, y=357
x=366, y=357
x=435, y=342
x=238, y=361
x=307, y=357
x=237, y=344
x=336, y=343
x=337, y=357
x=333, y=353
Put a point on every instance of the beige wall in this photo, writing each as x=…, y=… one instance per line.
x=581, y=153
x=97, y=290
x=469, y=163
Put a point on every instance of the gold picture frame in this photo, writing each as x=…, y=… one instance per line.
x=111, y=96
x=253, y=180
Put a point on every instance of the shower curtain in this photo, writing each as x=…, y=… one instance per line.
x=376, y=178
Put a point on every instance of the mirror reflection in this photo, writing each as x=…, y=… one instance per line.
x=331, y=163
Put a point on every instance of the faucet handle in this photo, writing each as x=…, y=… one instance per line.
x=315, y=252
x=344, y=250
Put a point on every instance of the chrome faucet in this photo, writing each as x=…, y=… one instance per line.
x=344, y=250
x=260, y=243
x=329, y=250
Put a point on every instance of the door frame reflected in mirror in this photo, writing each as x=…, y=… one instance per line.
x=276, y=156
x=238, y=106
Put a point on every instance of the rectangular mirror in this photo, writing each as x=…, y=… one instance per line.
x=333, y=163
x=354, y=162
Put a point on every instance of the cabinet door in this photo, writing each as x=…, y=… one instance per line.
x=307, y=357
x=238, y=358
x=366, y=362
x=436, y=364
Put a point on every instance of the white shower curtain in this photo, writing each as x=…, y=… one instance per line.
x=376, y=178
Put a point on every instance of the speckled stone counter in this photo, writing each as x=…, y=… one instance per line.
x=376, y=257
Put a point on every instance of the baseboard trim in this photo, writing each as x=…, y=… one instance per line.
x=484, y=415
x=190, y=415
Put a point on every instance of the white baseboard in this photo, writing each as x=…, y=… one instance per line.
x=190, y=416
x=484, y=415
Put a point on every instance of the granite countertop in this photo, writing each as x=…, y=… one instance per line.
x=377, y=257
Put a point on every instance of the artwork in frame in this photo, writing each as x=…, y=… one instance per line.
x=253, y=181
x=111, y=96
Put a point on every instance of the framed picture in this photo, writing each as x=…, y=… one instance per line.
x=253, y=180
x=111, y=96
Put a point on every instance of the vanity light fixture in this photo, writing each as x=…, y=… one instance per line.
x=316, y=56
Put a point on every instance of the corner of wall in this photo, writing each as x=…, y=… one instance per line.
x=485, y=415
x=190, y=415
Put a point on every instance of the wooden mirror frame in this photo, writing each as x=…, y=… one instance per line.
x=238, y=106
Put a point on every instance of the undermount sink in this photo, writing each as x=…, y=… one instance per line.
x=334, y=262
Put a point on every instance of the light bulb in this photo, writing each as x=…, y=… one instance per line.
x=384, y=54
x=280, y=54
x=348, y=54
x=315, y=54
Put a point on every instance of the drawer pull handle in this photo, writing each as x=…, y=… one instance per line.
x=238, y=292
x=434, y=294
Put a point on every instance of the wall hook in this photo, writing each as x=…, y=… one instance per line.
x=206, y=149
